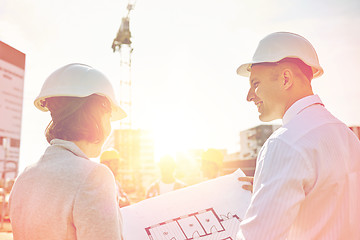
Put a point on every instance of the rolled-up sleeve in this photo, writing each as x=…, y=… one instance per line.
x=282, y=179
x=96, y=213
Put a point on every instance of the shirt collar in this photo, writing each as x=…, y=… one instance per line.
x=68, y=145
x=300, y=105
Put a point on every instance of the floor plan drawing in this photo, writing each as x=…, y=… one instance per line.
x=202, y=225
x=209, y=210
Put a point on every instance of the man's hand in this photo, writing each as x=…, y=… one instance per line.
x=247, y=186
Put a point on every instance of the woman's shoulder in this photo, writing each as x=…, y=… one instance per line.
x=68, y=166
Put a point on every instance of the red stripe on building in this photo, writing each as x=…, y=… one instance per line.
x=11, y=55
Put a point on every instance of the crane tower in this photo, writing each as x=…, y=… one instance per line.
x=122, y=44
x=126, y=139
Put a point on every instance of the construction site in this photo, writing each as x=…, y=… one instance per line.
x=137, y=145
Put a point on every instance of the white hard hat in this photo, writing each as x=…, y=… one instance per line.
x=280, y=45
x=79, y=80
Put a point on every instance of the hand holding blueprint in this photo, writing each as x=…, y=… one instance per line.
x=208, y=210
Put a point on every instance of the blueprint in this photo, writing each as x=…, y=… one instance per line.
x=208, y=210
x=204, y=224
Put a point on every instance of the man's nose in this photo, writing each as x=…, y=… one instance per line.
x=250, y=96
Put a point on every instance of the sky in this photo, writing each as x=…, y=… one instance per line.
x=185, y=87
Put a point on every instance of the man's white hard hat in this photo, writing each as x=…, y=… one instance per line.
x=280, y=45
x=78, y=80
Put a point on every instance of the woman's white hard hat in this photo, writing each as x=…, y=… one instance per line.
x=79, y=80
x=280, y=45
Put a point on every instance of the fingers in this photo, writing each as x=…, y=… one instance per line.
x=246, y=179
x=248, y=187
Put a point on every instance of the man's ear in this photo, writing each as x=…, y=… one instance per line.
x=288, y=78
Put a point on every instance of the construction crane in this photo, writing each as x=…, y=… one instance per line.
x=123, y=36
x=122, y=44
x=125, y=138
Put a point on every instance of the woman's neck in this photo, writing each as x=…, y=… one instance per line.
x=91, y=150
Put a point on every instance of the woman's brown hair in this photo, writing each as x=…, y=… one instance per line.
x=77, y=118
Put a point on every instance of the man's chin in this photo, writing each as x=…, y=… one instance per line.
x=265, y=118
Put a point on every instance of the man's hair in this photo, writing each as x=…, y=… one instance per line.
x=77, y=118
x=304, y=68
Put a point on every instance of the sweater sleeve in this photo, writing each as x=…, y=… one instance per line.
x=96, y=213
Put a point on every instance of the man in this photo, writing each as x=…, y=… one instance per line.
x=211, y=163
x=167, y=182
x=307, y=179
x=111, y=158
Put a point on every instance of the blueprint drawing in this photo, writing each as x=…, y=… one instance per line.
x=204, y=224
x=210, y=210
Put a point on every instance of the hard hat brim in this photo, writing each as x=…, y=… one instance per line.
x=117, y=113
x=245, y=69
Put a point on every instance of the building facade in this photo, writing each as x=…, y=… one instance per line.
x=251, y=141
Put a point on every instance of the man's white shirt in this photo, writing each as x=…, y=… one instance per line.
x=307, y=179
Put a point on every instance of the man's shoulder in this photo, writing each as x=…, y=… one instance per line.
x=154, y=184
x=307, y=125
x=179, y=184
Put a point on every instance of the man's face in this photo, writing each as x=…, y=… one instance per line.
x=266, y=92
x=114, y=165
x=167, y=170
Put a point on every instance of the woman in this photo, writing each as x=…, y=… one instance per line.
x=65, y=195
